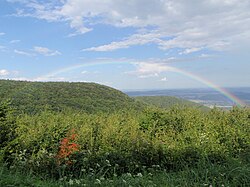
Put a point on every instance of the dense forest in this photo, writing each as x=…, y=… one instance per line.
x=33, y=97
x=131, y=144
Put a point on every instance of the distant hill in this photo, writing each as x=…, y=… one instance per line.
x=32, y=97
x=168, y=102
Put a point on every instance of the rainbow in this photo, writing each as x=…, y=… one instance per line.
x=200, y=79
x=210, y=84
x=74, y=67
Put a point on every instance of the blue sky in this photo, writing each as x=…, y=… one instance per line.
x=133, y=44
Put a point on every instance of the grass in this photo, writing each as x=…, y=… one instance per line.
x=205, y=174
x=14, y=178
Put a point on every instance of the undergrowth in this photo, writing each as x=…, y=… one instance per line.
x=175, y=147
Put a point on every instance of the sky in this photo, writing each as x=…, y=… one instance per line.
x=128, y=45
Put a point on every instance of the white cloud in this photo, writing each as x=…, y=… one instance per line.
x=15, y=41
x=8, y=74
x=190, y=50
x=40, y=50
x=205, y=55
x=23, y=53
x=21, y=79
x=147, y=75
x=84, y=72
x=209, y=24
x=45, y=51
x=136, y=39
x=50, y=78
x=2, y=33
x=2, y=48
x=148, y=68
x=164, y=79
x=214, y=25
x=4, y=72
x=151, y=68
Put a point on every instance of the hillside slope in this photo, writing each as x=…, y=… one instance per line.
x=168, y=102
x=32, y=97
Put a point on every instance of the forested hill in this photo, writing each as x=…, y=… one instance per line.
x=32, y=97
x=168, y=102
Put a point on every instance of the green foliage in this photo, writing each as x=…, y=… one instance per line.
x=33, y=97
x=106, y=146
x=7, y=128
x=128, y=142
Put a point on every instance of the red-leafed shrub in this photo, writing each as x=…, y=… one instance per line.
x=67, y=148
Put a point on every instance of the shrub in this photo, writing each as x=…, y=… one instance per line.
x=114, y=144
x=7, y=130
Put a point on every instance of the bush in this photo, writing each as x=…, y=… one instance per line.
x=77, y=144
x=7, y=130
